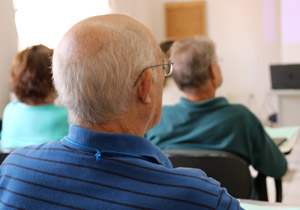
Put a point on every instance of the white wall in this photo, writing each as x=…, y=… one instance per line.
x=238, y=27
x=290, y=39
x=8, y=48
x=148, y=12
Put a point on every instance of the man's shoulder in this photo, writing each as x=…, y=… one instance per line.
x=193, y=175
x=203, y=188
x=238, y=109
x=33, y=151
x=237, y=114
x=190, y=178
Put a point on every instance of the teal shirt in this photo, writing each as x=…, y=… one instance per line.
x=217, y=125
x=25, y=125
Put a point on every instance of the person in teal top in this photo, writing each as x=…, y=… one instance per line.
x=26, y=125
x=33, y=118
x=202, y=121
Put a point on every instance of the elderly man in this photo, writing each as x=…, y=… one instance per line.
x=108, y=72
x=203, y=121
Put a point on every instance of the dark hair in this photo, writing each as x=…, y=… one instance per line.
x=31, y=76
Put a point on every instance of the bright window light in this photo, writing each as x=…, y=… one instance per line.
x=46, y=21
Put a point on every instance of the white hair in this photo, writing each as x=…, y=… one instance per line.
x=192, y=57
x=98, y=88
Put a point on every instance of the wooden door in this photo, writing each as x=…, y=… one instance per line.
x=185, y=19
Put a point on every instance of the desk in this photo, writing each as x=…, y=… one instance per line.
x=261, y=205
x=291, y=133
x=288, y=104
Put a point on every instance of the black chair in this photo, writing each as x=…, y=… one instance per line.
x=3, y=156
x=229, y=169
x=261, y=187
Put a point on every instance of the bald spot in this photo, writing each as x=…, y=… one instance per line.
x=94, y=34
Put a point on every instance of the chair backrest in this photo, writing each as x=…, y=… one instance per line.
x=230, y=170
x=3, y=156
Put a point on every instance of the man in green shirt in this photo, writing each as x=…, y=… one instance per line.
x=202, y=121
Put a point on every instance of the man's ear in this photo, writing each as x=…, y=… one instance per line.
x=144, y=86
x=212, y=72
x=215, y=74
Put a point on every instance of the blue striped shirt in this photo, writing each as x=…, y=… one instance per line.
x=130, y=173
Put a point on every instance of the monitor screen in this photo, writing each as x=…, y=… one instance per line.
x=285, y=76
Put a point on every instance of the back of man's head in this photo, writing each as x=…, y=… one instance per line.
x=192, y=57
x=96, y=63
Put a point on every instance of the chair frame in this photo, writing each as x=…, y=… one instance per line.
x=228, y=169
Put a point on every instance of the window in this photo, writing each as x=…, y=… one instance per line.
x=46, y=21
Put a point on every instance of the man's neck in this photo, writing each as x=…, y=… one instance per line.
x=199, y=95
x=122, y=125
x=112, y=127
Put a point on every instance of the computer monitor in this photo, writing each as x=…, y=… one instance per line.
x=286, y=76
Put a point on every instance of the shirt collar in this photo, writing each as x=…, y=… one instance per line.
x=124, y=143
x=210, y=103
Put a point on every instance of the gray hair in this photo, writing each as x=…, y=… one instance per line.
x=192, y=57
x=97, y=87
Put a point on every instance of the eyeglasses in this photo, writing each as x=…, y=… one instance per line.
x=167, y=69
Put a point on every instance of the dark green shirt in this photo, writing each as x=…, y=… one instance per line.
x=215, y=124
